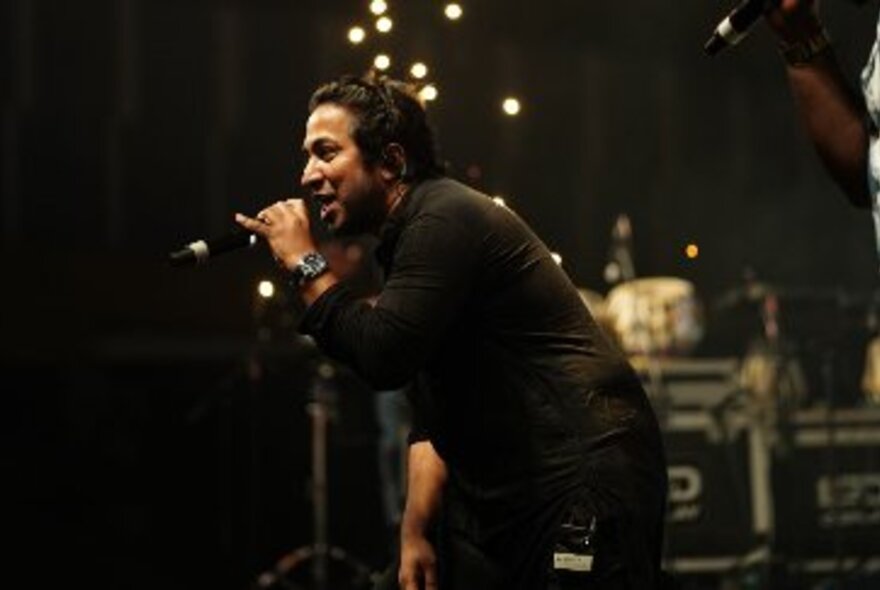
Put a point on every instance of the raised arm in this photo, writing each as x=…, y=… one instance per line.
x=831, y=112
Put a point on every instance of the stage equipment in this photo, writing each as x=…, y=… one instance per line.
x=871, y=374
x=656, y=316
x=719, y=514
x=754, y=491
x=771, y=371
x=707, y=384
x=347, y=571
x=796, y=501
x=870, y=383
x=203, y=250
x=826, y=480
x=808, y=343
x=621, y=265
x=736, y=25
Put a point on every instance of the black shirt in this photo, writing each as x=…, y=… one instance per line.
x=520, y=393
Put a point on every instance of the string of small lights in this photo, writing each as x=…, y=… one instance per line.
x=384, y=24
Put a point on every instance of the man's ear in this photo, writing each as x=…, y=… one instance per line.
x=393, y=165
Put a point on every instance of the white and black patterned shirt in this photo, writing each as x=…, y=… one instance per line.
x=871, y=91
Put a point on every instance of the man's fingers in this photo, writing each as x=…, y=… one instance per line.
x=424, y=577
x=279, y=209
x=430, y=573
x=254, y=225
x=288, y=205
x=407, y=582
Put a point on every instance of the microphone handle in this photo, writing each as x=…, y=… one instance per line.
x=202, y=250
x=736, y=26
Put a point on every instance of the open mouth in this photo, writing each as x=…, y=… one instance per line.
x=325, y=201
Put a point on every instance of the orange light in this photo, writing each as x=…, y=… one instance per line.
x=692, y=251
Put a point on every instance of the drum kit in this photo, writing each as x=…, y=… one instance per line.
x=658, y=319
x=662, y=318
x=653, y=316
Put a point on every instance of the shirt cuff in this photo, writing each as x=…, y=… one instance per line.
x=316, y=316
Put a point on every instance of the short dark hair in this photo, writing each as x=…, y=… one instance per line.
x=386, y=111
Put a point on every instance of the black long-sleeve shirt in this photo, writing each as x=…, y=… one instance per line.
x=519, y=390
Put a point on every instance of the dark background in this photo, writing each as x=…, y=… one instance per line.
x=153, y=438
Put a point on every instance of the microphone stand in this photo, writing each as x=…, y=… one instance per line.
x=320, y=406
x=621, y=269
x=319, y=552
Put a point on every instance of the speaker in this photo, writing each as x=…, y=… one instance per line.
x=826, y=482
x=719, y=512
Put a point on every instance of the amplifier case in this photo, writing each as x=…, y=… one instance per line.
x=719, y=513
x=826, y=480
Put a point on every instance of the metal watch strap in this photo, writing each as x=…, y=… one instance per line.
x=308, y=269
x=802, y=52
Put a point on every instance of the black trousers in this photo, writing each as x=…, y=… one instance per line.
x=463, y=566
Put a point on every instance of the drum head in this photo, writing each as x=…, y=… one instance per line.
x=656, y=315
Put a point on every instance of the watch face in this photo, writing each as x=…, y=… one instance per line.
x=313, y=265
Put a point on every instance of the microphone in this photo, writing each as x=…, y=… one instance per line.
x=620, y=267
x=736, y=26
x=201, y=250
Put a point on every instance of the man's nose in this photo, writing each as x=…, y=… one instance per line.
x=311, y=175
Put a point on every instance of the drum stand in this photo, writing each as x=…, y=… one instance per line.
x=320, y=553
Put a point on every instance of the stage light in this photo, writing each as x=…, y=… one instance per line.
x=429, y=93
x=356, y=35
x=557, y=258
x=378, y=7
x=384, y=24
x=382, y=62
x=266, y=289
x=692, y=251
x=511, y=106
x=418, y=70
x=453, y=11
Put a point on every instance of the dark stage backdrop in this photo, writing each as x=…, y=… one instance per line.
x=143, y=450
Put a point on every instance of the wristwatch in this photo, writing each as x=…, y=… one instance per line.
x=802, y=52
x=308, y=269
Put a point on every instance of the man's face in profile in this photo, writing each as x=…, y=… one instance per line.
x=351, y=194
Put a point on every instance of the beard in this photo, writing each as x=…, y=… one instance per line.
x=362, y=215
